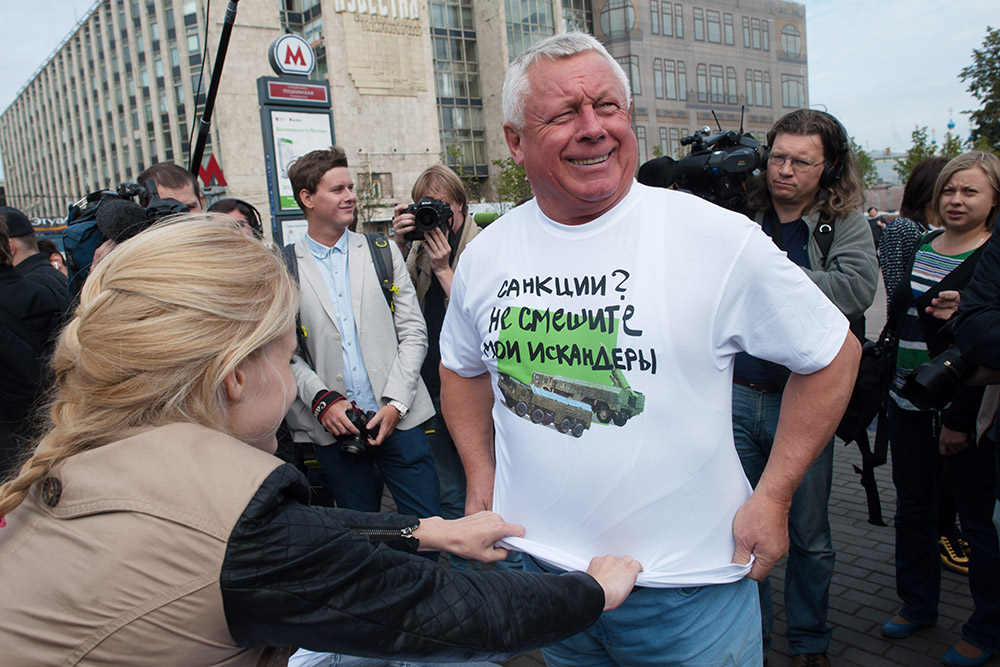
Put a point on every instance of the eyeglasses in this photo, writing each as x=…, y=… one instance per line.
x=798, y=165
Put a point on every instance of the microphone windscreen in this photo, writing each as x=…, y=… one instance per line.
x=660, y=172
x=121, y=219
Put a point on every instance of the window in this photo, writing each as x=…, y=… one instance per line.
x=658, y=78
x=758, y=87
x=682, y=81
x=702, y=79
x=714, y=21
x=728, y=30
x=733, y=99
x=669, y=74
x=664, y=142
x=576, y=16
x=793, y=91
x=631, y=66
x=791, y=41
x=192, y=39
x=699, y=24
x=767, y=89
x=746, y=33
x=751, y=100
x=667, y=11
x=678, y=21
x=654, y=17
x=640, y=137
x=755, y=34
x=675, y=141
x=766, y=35
x=617, y=18
x=527, y=22
x=715, y=75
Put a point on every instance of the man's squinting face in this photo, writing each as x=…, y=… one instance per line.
x=334, y=200
x=787, y=185
x=577, y=145
x=185, y=195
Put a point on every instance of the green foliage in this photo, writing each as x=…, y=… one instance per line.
x=921, y=148
x=951, y=146
x=869, y=174
x=511, y=181
x=454, y=158
x=983, y=76
x=657, y=151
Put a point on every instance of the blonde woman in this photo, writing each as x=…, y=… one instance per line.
x=153, y=526
x=967, y=201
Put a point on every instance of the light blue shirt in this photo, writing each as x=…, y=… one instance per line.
x=333, y=267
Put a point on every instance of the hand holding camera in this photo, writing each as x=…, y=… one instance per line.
x=417, y=220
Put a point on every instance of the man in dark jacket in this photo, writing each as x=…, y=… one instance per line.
x=30, y=314
x=27, y=260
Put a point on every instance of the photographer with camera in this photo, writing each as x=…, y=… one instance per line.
x=808, y=201
x=360, y=397
x=924, y=439
x=439, y=227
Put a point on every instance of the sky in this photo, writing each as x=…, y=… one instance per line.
x=883, y=67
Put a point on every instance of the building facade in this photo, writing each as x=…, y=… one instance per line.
x=412, y=83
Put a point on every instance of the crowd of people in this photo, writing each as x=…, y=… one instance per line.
x=623, y=396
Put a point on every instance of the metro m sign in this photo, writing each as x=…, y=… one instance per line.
x=290, y=54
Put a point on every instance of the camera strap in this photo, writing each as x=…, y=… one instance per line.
x=382, y=259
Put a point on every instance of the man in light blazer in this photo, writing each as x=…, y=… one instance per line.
x=362, y=353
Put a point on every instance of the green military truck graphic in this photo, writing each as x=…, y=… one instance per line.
x=616, y=401
x=545, y=407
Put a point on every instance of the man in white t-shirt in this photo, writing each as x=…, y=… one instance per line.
x=587, y=372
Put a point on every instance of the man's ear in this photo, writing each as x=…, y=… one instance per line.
x=235, y=384
x=513, y=137
x=306, y=198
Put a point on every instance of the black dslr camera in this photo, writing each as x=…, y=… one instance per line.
x=933, y=384
x=428, y=214
x=354, y=446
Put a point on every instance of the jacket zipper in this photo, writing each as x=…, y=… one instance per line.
x=406, y=532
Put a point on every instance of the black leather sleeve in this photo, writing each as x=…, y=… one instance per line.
x=295, y=575
x=977, y=328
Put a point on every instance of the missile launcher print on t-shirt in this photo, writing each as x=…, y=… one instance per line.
x=565, y=367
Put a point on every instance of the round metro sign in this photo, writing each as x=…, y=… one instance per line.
x=290, y=54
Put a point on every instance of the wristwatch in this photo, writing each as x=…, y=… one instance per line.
x=399, y=406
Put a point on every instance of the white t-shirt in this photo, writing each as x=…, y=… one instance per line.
x=666, y=288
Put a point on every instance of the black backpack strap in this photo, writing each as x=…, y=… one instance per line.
x=871, y=459
x=292, y=265
x=382, y=258
x=824, y=238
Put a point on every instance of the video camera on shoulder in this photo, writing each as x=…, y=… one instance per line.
x=717, y=169
x=352, y=446
x=428, y=214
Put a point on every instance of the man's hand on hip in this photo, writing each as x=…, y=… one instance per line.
x=760, y=527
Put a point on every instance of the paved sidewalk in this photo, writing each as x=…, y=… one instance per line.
x=863, y=593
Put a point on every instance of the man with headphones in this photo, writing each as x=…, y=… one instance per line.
x=809, y=202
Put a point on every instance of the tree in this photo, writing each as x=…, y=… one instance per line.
x=951, y=146
x=511, y=181
x=920, y=149
x=866, y=165
x=983, y=76
x=453, y=157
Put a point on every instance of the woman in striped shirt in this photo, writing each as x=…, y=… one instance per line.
x=967, y=200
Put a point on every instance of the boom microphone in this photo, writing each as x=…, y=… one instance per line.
x=121, y=219
x=660, y=172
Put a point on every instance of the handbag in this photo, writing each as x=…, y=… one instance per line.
x=869, y=400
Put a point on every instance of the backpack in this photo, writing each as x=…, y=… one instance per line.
x=81, y=238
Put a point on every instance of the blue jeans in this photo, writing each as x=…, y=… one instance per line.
x=913, y=441
x=809, y=568
x=451, y=475
x=405, y=462
x=706, y=625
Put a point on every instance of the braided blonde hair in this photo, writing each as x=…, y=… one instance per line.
x=161, y=322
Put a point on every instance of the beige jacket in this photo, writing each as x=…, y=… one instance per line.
x=106, y=564
x=419, y=262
